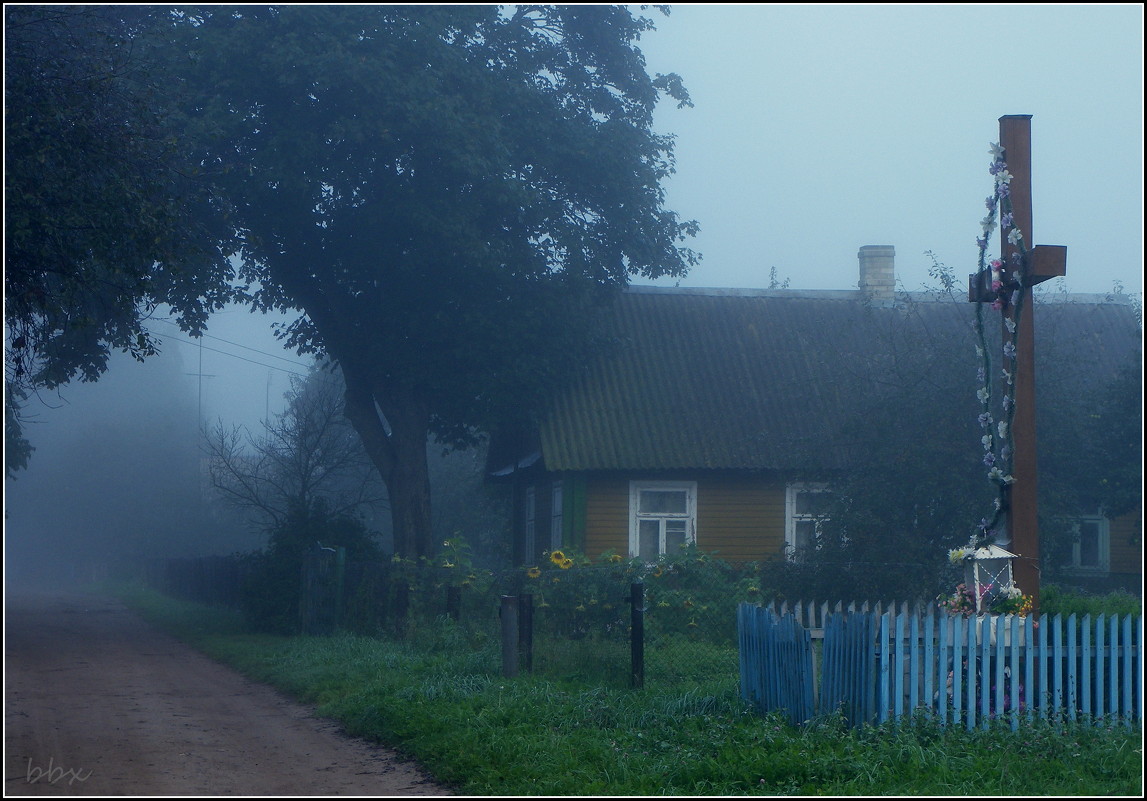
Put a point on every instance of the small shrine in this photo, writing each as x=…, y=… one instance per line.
x=988, y=574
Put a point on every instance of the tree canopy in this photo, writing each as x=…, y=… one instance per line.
x=101, y=222
x=445, y=191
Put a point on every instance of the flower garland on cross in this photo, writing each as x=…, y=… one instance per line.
x=1007, y=281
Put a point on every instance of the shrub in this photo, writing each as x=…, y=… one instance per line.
x=270, y=597
x=1055, y=600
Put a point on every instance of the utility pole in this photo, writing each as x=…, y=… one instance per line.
x=201, y=376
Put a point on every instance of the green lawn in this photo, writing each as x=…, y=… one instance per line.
x=441, y=700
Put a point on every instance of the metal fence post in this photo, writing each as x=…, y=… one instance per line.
x=637, y=634
x=454, y=602
x=401, y=605
x=509, y=614
x=340, y=586
x=526, y=630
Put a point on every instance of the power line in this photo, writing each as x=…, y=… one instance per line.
x=241, y=358
x=238, y=344
x=255, y=350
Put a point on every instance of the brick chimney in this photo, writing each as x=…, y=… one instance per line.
x=878, y=272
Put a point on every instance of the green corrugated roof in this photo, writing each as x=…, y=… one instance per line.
x=719, y=379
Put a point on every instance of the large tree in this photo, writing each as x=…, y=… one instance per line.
x=445, y=191
x=101, y=220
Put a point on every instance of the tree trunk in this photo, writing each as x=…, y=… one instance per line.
x=409, y=488
x=397, y=447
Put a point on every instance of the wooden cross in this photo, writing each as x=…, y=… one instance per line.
x=1044, y=262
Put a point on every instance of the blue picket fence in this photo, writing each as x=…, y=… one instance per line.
x=878, y=664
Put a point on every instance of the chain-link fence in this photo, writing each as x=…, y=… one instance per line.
x=619, y=621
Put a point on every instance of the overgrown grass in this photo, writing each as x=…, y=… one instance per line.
x=441, y=700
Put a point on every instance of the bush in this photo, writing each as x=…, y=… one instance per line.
x=1056, y=600
x=270, y=597
x=691, y=593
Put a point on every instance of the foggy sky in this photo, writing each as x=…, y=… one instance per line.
x=818, y=129
x=116, y=476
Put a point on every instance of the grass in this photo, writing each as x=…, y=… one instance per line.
x=441, y=700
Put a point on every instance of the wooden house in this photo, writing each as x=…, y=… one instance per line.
x=719, y=416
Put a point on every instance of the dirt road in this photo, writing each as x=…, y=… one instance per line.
x=97, y=702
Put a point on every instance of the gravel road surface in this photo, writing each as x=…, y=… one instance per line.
x=98, y=702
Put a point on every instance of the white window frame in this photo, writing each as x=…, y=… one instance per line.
x=636, y=516
x=1103, y=526
x=792, y=518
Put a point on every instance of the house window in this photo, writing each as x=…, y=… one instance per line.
x=1091, y=549
x=806, y=511
x=662, y=517
x=556, y=516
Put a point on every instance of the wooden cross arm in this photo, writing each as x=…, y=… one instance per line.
x=1045, y=262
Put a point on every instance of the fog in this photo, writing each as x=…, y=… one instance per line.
x=116, y=478
x=820, y=128
x=119, y=476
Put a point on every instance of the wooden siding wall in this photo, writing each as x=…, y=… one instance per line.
x=739, y=518
x=1126, y=541
x=606, y=516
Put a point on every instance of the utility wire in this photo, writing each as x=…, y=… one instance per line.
x=241, y=358
x=239, y=345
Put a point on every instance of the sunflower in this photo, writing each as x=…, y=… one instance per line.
x=565, y=564
x=534, y=572
x=557, y=557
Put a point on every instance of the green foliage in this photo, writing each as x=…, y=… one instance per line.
x=1115, y=432
x=915, y=486
x=1090, y=435
x=102, y=221
x=1055, y=600
x=694, y=595
x=271, y=592
x=447, y=192
x=468, y=507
